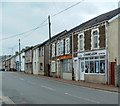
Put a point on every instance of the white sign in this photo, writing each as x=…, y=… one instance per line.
x=92, y=53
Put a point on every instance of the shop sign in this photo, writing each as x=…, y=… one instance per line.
x=65, y=57
x=92, y=53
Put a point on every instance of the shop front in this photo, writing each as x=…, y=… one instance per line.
x=92, y=66
x=66, y=66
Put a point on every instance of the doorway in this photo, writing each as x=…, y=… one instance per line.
x=82, y=70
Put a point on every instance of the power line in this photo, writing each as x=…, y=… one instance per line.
x=67, y=8
x=39, y=26
x=25, y=31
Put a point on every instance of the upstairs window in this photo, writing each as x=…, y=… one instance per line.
x=67, y=45
x=53, y=50
x=81, y=42
x=61, y=47
x=95, y=39
x=58, y=48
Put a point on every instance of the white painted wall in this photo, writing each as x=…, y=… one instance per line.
x=36, y=61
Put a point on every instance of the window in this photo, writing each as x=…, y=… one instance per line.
x=67, y=65
x=67, y=46
x=58, y=48
x=53, y=50
x=61, y=47
x=95, y=65
x=41, y=66
x=95, y=39
x=41, y=51
x=53, y=66
x=102, y=66
x=81, y=42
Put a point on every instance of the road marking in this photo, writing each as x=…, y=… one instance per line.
x=21, y=79
x=48, y=88
x=82, y=98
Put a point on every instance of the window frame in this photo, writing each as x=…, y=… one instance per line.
x=92, y=38
x=67, y=45
x=82, y=33
x=53, y=50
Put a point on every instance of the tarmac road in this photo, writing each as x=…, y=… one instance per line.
x=26, y=89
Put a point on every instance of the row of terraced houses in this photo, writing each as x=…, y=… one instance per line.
x=89, y=52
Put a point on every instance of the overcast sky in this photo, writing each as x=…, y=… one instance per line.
x=18, y=17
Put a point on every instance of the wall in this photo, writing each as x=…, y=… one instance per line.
x=67, y=76
x=95, y=78
x=41, y=60
x=113, y=41
x=36, y=61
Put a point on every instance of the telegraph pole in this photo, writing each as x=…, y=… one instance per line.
x=19, y=56
x=49, y=44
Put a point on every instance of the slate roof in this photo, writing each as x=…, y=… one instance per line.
x=101, y=18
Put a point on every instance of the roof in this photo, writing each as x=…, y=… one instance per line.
x=52, y=38
x=101, y=18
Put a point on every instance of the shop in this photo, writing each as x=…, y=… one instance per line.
x=92, y=66
x=66, y=63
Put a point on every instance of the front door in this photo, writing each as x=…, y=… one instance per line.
x=76, y=70
x=82, y=70
x=112, y=73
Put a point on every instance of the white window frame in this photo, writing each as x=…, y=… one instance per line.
x=82, y=33
x=53, y=66
x=53, y=50
x=92, y=38
x=57, y=48
x=67, y=46
x=61, y=47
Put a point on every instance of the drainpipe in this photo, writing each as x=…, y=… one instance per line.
x=72, y=56
x=107, y=55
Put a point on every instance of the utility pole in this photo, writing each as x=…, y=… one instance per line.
x=49, y=45
x=19, y=56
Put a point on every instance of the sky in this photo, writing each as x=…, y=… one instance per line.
x=18, y=17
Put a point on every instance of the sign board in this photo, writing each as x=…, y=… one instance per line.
x=92, y=53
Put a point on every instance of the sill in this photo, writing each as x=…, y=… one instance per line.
x=95, y=73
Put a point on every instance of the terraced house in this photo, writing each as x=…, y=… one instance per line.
x=96, y=49
x=91, y=47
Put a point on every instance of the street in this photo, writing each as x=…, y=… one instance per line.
x=27, y=89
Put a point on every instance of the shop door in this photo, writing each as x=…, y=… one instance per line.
x=81, y=70
x=76, y=70
x=112, y=73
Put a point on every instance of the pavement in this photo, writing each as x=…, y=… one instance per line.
x=29, y=89
x=110, y=88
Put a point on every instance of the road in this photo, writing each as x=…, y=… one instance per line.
x=26, y=89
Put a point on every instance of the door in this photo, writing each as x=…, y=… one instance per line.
x=82, y=70
x=112, y=73
x=76, y=70
x=58, y=68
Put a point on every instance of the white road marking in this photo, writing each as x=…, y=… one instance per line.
x=48, y=88
x=21, y=79
x=83, y=98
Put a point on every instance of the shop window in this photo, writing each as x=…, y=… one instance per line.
x=92, y=67
x=96, y=66
x=87, y=67
x=67, y=65
x=102, y=66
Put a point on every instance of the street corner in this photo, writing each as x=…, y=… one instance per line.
x=5, y=100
